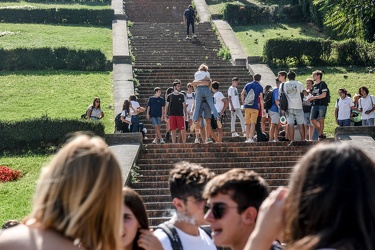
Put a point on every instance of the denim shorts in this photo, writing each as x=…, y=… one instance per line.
x=307, y=121
x=318, y=112
x=156, y=121
x=344, y=123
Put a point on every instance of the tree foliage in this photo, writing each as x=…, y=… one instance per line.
x=349, y=18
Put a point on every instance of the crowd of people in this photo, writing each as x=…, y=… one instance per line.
x=79, y=202
x=199, y=111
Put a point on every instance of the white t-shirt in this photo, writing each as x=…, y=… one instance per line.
x=293, y=90
x=200, y=75
x=190, y=98
x=189, y=242
x=219, y=104
x=233, y=93
x=344, y=106
x=95, y=113
x=367, y=104
x=135, y=105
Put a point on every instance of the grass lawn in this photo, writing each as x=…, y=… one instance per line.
x=334, y=77
x=45, y=35
x=55, y=5
x=63, y=94
x=253, y=37
x=16, y=196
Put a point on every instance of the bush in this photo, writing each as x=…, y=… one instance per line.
x=42, y=132
x=355, y=52
x=50, y=58
x=57, y=16
x=237, y=14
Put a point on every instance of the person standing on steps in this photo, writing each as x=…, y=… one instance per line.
x=235, y=108
x=189, y=19
x=156, y=113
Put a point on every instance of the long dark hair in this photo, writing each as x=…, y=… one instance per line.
x=332, y=199
x=135, y=203
x=126, y=106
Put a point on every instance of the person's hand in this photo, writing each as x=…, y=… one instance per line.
x=148, y=241
x=311, y=99
x=148, y=117
x=270, y=221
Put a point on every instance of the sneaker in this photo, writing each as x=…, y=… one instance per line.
x=187, y=37
x=192, y=127
x=155, y=142
x=162, y=141
x=145, y=138
x=196, y=141
x=249, y=140
x=194, y=36
x=235, y=134
x=243, y=134
x=208, y=141
x=219, y=125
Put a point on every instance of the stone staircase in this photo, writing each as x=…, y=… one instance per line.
x=157, y=40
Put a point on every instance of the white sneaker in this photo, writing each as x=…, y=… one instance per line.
x=145, y=138
x=187, y=37
x=196, y=141
x=162, y=141
x=249, y=140
x=155, y=142
x=194, y=36
x=208, y=141
x=235, y=134
x=243, y=134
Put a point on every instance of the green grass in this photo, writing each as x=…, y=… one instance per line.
x=55, y=5
x=16, y=196
x=54, y=36
x=58, y=94
x=253, y=37
x=334, y=77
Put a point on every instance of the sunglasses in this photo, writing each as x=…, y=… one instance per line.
x=97, y=101
x=218, y=209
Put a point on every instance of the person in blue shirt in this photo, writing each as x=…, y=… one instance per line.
x=252, y=109
x=274, y=113
x=156, y=113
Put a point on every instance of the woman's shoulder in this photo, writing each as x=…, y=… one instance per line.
x=26, y=237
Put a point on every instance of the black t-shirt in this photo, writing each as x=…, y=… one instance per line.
x=318, y=89
x=176, y=104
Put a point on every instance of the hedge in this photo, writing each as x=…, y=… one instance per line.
x=68, y=1
x=280, y=51
x=57, y=16
x=52, y=58
x=42, y=132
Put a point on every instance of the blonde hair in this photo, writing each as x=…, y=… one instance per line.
x=203, y=67
x=79, y=194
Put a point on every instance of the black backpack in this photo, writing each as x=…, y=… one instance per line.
x=268, y=99
x=283, y=101
x=119, y=125
x=172, y=234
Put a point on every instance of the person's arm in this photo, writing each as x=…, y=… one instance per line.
x=101, y=115
x=226, y=104
x=336, y=115
x=184, y=18
x=270, y=221
x=148, y=113
x=262, y=102
x=166, y=111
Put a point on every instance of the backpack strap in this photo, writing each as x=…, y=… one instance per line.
x=170, y=230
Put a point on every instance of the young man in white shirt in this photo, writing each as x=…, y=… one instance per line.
x=221, y=104
x=235, y=108
x=343, y=108
x=186, y=183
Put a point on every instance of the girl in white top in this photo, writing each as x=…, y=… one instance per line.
x=366, y=105
x=94, y=111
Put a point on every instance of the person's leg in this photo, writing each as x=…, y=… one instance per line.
x=290, y=128
x=187, y=27
x=314, y=114
x=300, y=118
x=242, y=120
x=192, y=27
x=291, y=132
x=253, y=121
x=311, y=132
x=199, y=96
x=233, y=121
x=371, y=122
x=209, y=131
x=247, y=123
x=258, y=129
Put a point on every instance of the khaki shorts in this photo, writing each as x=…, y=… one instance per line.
x=251, y=116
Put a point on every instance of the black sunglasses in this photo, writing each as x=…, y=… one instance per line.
x=218, y=209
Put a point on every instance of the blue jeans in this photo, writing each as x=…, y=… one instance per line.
x=318, y=112
x=368, y=122
x=344, y=123
x=135, y=123
x=204, y=93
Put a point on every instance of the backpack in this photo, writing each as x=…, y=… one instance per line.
x=172, y=234
x=283, y=101
x=268, y=99
x=250, y=98
x=118, y=123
